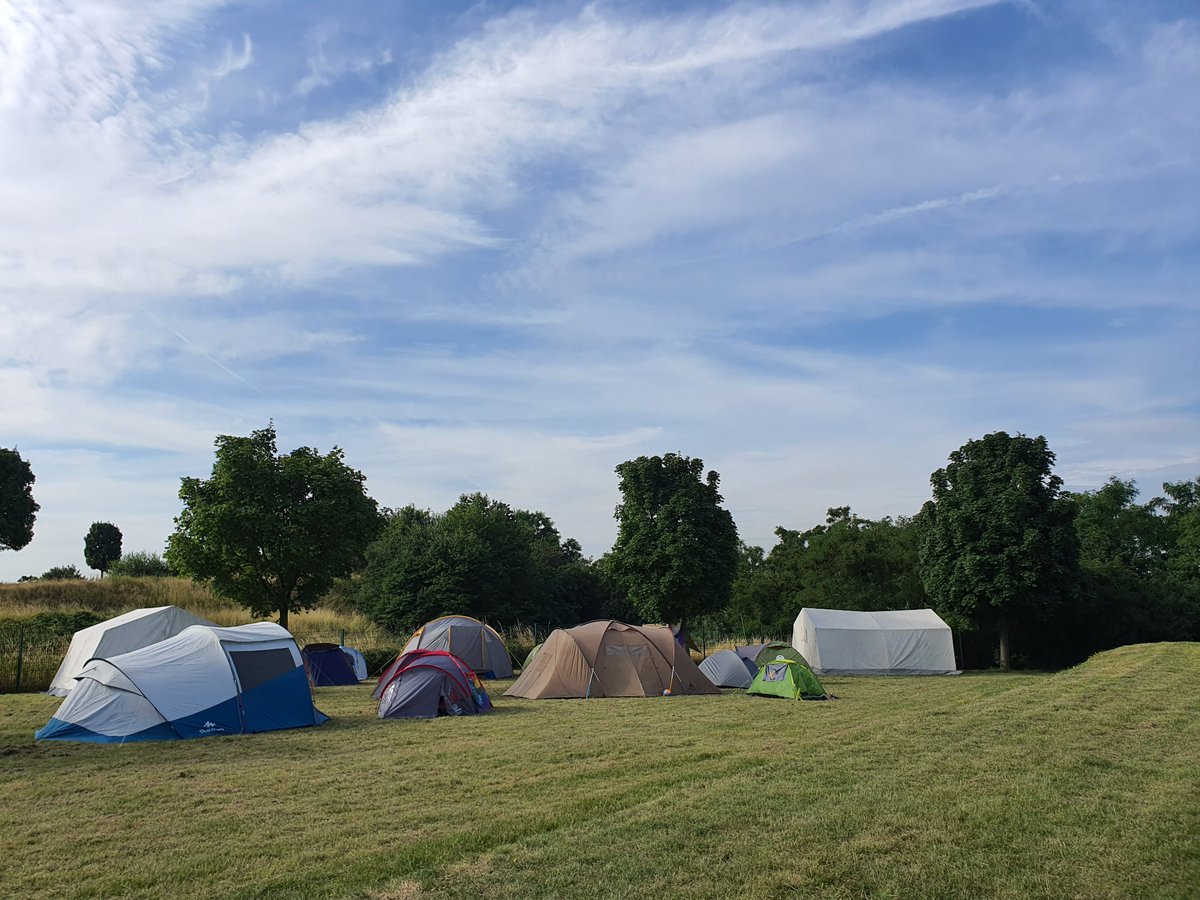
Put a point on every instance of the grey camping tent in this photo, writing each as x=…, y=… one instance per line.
x=476, y=644
x=725, y=668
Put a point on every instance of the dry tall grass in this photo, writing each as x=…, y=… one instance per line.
x=112, y=596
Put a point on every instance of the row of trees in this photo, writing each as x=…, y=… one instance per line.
x=1000, y=550
x=101, y=544
x=1018, y=565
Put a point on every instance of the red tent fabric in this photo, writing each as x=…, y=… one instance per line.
x=429, y=683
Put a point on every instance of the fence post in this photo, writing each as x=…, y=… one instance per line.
x=343, y=640
x=20, y=654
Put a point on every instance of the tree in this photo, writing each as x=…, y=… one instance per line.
x=676, y=552
x=102, y=546
x=847, y=563
x=480, y=558
x=1181, y=507
x=998, y=540
x=272, y=532
x=1116, y=531
x=17, y=507
x=140, y=564
x=61, y=573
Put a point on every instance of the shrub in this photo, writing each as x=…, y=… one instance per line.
x=141, y=565
x=61, y=573
x=378, y=658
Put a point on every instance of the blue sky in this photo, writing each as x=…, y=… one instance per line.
x=505, y=247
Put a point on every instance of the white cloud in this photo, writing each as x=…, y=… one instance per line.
x=567, y=241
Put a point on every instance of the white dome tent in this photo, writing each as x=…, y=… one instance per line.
x=131, y=631
x=203, y=681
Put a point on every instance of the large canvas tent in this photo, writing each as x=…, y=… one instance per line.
x=725, y=668
x=424, y=684
x=131, y=631
x=203, y=681
x=476, y=644
x=895, y=642
x=328, y=665
x=610, y=659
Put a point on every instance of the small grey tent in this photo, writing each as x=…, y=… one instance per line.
x=476, y=644
x=725, y=668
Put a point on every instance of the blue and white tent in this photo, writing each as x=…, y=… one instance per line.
x=201, y=682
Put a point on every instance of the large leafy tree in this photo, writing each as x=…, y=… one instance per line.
x=479, y=558
x=272, y=532
x=102, y=546
x=17, y=507
x=1181, y=507
x=676, y=552
x=998, y=541
x=846, y=563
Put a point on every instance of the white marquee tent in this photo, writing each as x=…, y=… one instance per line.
x=135, y=629
x=896, y=642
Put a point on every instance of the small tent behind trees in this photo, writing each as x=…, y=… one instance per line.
x=425, y=684
x=204, y=681
x=895, y=642
x=328, y=665
x=725, y=668
x=783, y=677
x=610, y=659
x=357, y=661
x=131, y=631
x=476, y=644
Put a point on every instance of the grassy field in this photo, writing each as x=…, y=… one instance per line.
x=1080, y=784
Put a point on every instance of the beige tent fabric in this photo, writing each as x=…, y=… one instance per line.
x=610, y=659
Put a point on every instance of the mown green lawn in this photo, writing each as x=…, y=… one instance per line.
x=1080, y=784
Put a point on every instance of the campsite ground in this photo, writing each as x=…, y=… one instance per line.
x=1080, y=784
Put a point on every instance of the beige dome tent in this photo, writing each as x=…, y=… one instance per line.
x=610, y=659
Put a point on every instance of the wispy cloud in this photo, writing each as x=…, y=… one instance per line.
x=507, y=251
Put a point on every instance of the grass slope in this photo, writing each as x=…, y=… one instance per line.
x=1078, y=784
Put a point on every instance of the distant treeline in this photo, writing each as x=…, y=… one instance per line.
x=1138, y=573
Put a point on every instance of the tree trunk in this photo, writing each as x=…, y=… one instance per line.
x=1004, y=658
x=283, y=616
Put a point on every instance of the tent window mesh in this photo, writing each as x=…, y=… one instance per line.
x=255, y=667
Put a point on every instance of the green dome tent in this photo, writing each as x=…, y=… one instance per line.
x=783, y=677
x=529, y=658
x=761, y=654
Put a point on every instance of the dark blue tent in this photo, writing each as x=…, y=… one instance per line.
x=328, y=666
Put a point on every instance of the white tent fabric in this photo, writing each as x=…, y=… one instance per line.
x=726, y=669
x=894, y=642
x=131, y=631
x=203, y=681
x=357, y=661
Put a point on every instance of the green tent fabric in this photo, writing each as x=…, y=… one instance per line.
x=529, y=658
x=783, y=677
x=778, y=648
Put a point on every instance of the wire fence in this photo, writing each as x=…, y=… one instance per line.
x=30, y=657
